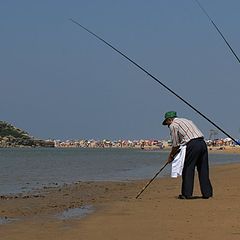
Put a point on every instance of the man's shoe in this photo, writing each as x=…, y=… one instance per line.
x=206, y=197
x=184, y=197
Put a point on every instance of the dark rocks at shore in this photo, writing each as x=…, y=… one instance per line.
x=10, y=141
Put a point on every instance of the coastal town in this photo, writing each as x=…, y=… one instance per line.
x=151, y=144
x=10, y=136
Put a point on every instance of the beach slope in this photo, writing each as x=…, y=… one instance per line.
x=157, y=214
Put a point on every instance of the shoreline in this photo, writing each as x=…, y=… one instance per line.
x=224, y=149
x=235, y=149
x=115, y=205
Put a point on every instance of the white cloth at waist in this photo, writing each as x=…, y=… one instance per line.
x=178, y=162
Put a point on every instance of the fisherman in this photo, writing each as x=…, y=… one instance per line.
x=185, y=132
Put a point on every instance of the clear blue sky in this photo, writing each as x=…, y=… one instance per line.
x=59, y=82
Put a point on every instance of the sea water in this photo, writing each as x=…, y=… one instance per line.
x=72, y=213
x=26, y=169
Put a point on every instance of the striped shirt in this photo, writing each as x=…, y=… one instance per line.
x=182, y=131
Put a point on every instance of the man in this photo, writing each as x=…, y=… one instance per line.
x=185, y=132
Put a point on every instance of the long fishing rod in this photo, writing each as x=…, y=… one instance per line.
x=154, y=78
x=215, y=26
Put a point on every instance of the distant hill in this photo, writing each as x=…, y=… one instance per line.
x=7, y=129
x=10, y=136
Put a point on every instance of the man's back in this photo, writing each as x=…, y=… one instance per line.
x=183, y=130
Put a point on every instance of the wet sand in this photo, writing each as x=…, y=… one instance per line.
x=157, y=214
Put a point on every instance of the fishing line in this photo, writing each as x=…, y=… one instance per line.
x=154, y=78
x=215, y=26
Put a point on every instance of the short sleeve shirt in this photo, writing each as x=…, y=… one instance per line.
x=182, y=131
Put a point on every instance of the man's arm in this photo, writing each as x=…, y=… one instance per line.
x=172, y=154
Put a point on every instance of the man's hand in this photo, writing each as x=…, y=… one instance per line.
x=170, y=158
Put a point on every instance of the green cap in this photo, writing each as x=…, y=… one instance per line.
x=170, y=114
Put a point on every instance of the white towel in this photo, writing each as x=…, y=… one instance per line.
x=178, y=162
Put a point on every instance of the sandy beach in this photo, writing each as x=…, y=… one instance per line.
x=157, y=214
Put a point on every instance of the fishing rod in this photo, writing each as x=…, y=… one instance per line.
x=155, y=79
x=215, y=26
x=151, y=180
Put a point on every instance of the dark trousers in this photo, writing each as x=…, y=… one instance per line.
x=196, y=156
